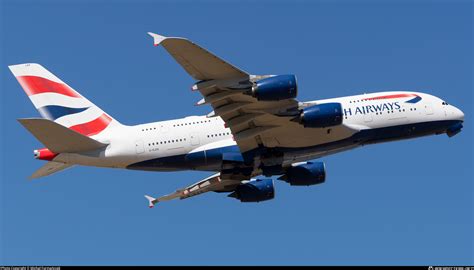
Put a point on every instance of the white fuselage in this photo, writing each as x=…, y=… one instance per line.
x=166, y=144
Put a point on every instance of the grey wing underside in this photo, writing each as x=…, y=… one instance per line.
x=214, y=182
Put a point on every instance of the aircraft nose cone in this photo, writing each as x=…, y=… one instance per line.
x=458, y=114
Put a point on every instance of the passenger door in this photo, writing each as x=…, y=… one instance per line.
x=428, y=108
x=139, y=148
x=194, y=138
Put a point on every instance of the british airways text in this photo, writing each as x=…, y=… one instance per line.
x=372, y=108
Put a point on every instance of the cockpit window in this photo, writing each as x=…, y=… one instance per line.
x=445, y=103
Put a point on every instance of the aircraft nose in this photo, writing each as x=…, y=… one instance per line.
x=457, y=114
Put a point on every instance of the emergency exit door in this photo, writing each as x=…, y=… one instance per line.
x=194, y=138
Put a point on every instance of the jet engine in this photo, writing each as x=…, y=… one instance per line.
x=275, y=88
x=305, y=174
x=321, y=115
x=254, y=191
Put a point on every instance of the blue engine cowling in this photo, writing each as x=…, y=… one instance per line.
x=255, y=191
x=306, y=174
x=275, y=88
x=322, y=115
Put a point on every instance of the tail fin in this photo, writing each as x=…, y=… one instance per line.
x=59, y=139
x=58, y=102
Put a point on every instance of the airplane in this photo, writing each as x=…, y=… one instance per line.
x=257, y=127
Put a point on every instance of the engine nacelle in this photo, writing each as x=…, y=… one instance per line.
x=275, y=88
x=305, y=174
x=254, y=191
x=322, y=115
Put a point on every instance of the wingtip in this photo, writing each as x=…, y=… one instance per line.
x=33, y=177
x=151, y=201
x=157, y=39
x=23, y=121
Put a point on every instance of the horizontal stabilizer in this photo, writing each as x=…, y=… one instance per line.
x=58, y=138
x=49, y=168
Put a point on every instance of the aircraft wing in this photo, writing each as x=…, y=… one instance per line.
x=253, y=122
x=212, y=183
x=197, y=61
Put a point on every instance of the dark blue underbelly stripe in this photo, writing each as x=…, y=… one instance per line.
x=54, y=112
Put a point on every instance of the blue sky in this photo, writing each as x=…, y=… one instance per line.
x=408, y=202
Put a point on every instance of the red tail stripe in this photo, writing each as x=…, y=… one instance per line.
x=391, y=96
x=36, y=85
x=93, y=127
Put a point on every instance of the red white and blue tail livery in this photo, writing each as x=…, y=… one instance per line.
x=58, y=102
x=257, y=127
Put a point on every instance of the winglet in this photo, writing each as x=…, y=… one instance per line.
x=157, y=39
x=151, y=201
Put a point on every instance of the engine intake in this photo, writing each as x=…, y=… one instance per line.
x=306, y=174
x=322, y=115
x=255, y=191
x=275, y=88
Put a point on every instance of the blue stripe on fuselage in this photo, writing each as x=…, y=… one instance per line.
x=211, y=159
x=414, y=100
